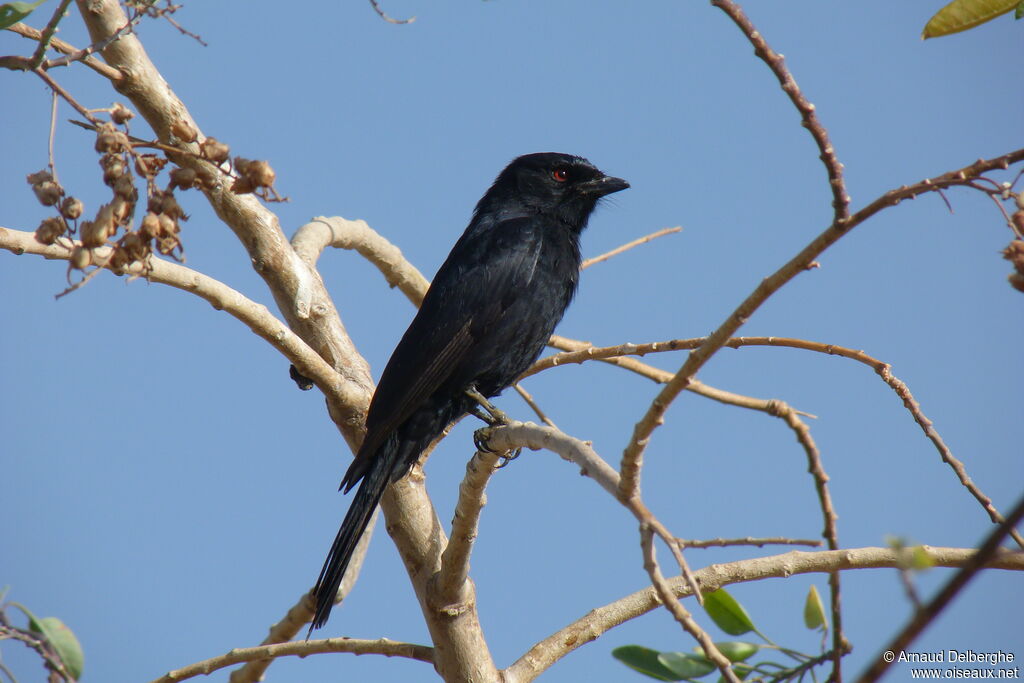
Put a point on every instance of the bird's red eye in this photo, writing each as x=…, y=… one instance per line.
x=560, y=174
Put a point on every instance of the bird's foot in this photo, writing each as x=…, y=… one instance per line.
x=480, y=440
x=494, y=415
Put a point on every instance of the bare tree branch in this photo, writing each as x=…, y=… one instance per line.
x=301, y=613
x=302, y=648
x=629, y=245
x=597, y=621
x=808, y=117
x=922, y=617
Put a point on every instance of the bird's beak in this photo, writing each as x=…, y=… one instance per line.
x=602, y=186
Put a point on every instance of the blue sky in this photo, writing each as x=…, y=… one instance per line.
x=169, y=493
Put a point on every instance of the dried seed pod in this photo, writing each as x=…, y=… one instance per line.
x=149, y=165
x=95, y=233
x=113, y=168
x=214, y=150
x=110, y=140
x=168, y=226
x=121, y=210
x=134, y=245
x=71, y=208
x=47, y=192
x=1016, y=281
x=1018, y=218
x=260, y=174
x=184, y=131
x=149, y=228
x=118, y=259
x=242, y=186
x=124, y=188
x=170, y=207
x=50, y=229
x=80, y=258
x=1014, y=253
x=39, y=177
x=185, y=178
x=121, y=114
x=206, y=177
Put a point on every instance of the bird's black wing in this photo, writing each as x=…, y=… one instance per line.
x=485, y=272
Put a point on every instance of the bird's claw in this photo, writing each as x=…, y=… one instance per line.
x=480, y=439
x=508, y=457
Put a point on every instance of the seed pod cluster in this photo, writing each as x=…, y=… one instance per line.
x=1015, y=255
x=252, y=175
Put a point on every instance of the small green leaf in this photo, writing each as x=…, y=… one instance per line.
x=64, y=643
x=814, y=611
x=961, y=15
x=728, y=614
x=734, y=650
x=645, y=660
x=13, y=12
x=1020, y=11
x=63, y=640
x=686, y=665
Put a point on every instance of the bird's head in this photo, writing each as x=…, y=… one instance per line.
x=560, y=185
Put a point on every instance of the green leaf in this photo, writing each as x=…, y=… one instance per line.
x=645, y=660
x=961, y=15
x=65, y=643
x=63, y=640
x=1020, y=11
x=734, y=650
x=814, y=611
x=727, y=614
x=686, y=665
x=13, y=12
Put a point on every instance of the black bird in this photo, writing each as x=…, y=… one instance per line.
x=487, y=315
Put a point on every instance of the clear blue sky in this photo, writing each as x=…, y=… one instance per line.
x=169, y=493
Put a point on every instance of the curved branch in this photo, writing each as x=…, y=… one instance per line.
x=596, y=622
x=303, y=648
x=222, y=297
x=583, y=353
x=632, y=456
x=808, y=117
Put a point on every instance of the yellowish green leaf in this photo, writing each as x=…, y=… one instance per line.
x=961, y=15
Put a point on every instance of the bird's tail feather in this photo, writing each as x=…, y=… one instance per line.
x=371, y=488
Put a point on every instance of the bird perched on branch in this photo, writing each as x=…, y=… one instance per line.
x=488, y=313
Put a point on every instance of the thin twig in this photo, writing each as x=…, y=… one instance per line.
x=66, y=95
x=53, y=134
x=957, y=583
x=632, y=458
x=883, y=369
x=749, y=540
x=302, y=648
x=72, y=54
x=629, y=245
x=48, y=31
x=809, y=119
x=680, y=613
x=528, y=397
x=600, y=620
x=380, y=12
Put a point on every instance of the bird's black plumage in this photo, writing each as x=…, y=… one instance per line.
x=487, y=315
